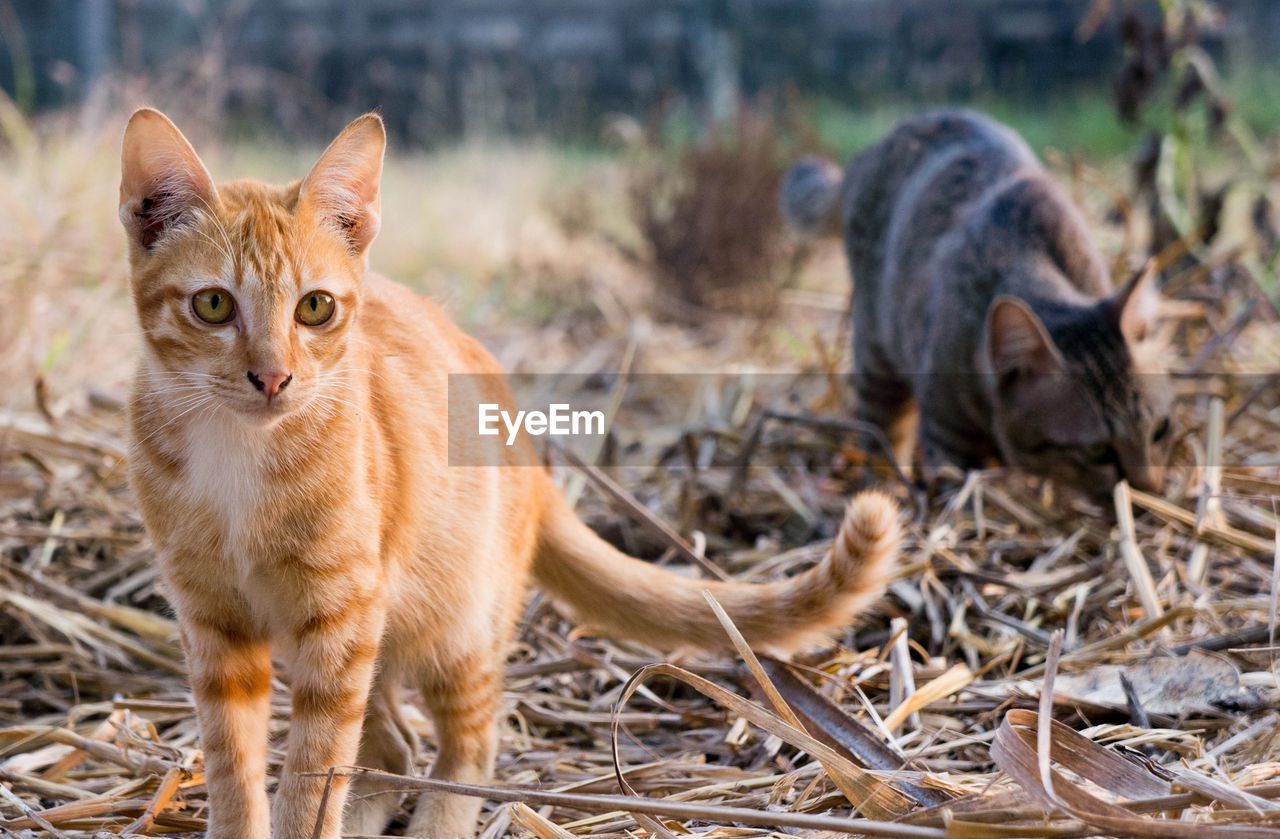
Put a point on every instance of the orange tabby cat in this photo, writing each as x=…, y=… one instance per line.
x=289, y=423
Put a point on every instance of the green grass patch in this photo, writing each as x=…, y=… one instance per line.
x=1084, y=124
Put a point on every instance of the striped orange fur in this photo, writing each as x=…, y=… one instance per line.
x=294, y=478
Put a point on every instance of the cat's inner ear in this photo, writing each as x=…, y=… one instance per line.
x=163, y=184
x=343, y=188
x=1017, y=341
x=1136, y=306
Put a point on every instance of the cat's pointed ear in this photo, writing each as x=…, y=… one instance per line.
x=1017, y=341
x=162, y=181
x=1136, y=306
x=343, y=189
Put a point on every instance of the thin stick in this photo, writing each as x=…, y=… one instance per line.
x=1134, y=562
x=1044, y=732
x=1226, y=534
x=1210, y=508
x=318, y=828
x=902, y=681
x=658, y=807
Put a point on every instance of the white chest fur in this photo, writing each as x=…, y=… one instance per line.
x=224, y=460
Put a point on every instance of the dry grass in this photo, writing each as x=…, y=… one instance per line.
x=930, y=715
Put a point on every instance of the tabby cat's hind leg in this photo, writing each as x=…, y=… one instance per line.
x=464, y=702
x=386, y=743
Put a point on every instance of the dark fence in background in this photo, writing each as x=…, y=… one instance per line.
x=444, y=68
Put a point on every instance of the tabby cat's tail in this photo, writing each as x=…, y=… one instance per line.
x=810, y=196
x=623, y=596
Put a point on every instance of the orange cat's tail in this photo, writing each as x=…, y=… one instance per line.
x=623, y=596
x=810, y=196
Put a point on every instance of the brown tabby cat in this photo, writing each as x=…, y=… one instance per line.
x=984, y=317
x=290, y=454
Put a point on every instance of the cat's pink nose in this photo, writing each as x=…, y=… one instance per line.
x=270, y=383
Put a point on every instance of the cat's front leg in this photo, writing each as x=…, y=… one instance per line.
x=335, y=648
x=230, y=671
x=946, y=455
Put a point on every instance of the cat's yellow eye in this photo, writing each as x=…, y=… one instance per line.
x=314, y=309
x=213, y=305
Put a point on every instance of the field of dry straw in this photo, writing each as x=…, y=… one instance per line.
x=1040, y=668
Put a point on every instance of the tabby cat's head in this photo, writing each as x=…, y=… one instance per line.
x=246, y=292
x=1080, y=393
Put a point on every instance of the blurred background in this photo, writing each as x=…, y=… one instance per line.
x=444, y=70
